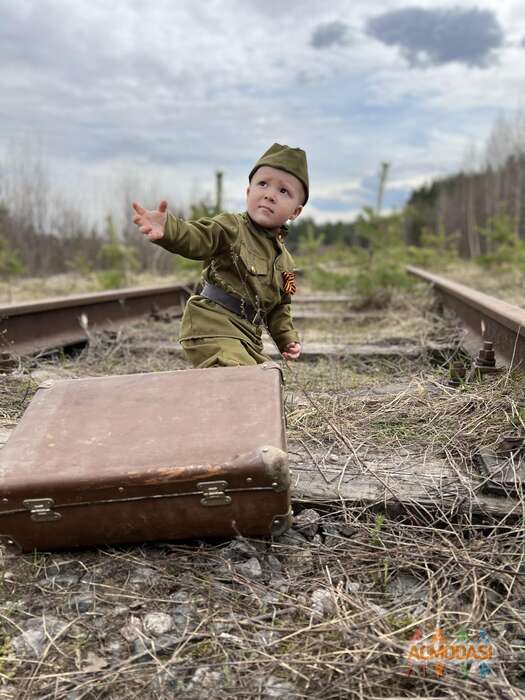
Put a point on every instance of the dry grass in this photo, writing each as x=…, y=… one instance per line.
x=420, y=412
x=22, y=289
x=506, y=282
x=326, y=611
x=378, y=584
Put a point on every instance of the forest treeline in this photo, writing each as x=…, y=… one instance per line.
x=475, y=212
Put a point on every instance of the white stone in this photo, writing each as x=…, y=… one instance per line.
x=322, y=603
x=307, y=522
x=132, y=630
x=206, y=679
x=38, y=634
x=251, y=568
x=157, y=623
x=278, y=688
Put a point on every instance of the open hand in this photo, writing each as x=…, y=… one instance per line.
x=151, y=221
x=292, y=351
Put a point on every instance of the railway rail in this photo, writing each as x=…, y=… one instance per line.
x=37, y=326
x=50, y=323
x=483, y=317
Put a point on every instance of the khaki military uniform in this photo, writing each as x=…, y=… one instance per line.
x=248, y=262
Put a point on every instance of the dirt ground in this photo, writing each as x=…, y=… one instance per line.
x=342, y=605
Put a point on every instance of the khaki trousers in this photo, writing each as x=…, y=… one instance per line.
x=222, y=352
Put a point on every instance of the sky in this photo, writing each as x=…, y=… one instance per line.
x=153, y=99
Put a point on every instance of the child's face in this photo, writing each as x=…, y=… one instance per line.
x=274, y=197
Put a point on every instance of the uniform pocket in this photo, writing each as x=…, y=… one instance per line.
x=255, y=264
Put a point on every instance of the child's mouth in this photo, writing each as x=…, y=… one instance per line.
x=267, y=208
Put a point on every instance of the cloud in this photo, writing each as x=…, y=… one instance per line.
x=440, y=36
x=330, y=34
x=331, y=205
x=172, y=92
x=522, y=42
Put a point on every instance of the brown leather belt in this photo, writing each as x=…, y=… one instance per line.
x=228, y=301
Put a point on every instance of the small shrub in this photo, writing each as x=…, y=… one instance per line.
x=111, y=279
x=375, y=285
x=382, y=267
x=309, y=242
x=504, y=245
x=10, y=265
x=80, y=265
x=116, y=259
x=436, y=249
x=328, y=281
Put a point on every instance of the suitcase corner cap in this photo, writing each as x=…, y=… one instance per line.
x=273, y=365
x=276, y=467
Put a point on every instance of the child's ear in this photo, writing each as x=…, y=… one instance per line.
x=248, y=190
x=296, y=213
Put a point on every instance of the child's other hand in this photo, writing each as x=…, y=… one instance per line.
x=151, y=221
x=292, y=351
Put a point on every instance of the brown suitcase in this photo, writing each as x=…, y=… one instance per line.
x=131, y=458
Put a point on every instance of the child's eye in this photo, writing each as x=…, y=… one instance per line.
x=284, y=190
x=262, y=182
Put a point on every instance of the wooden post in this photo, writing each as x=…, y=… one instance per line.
x=218, y=190
x=382, y=180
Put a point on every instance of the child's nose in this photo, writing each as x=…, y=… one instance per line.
x=269, y=195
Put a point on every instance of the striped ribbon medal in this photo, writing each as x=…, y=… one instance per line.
x=289, y=283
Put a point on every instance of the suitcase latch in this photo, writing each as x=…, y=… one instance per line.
x=213, y=493
x=41, y=509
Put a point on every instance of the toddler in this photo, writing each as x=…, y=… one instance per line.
x=248, y=273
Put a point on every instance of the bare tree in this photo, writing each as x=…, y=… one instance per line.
x=67, y=220
x=26, y=183
x=506, y=139
x=470, y=163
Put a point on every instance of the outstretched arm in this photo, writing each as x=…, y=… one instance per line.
x=198, y=239
x=151, y=221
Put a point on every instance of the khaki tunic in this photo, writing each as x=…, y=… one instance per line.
x=247, y=261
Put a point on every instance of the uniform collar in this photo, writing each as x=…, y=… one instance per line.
x=279, y=236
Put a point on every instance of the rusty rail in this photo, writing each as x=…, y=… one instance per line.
x=484, y=318
x=50, y=323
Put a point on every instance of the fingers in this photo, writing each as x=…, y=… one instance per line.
x=140, y=209
x=154, y=235
x=146, y=229
x=292, y=351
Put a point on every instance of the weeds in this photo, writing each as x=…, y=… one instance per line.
x=117, y=260
x=5, y=653
x=504, y=245
x=329, y=281
x=375, y=539
x=268, y=635
x=10, y=265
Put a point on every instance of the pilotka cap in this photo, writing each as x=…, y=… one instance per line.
x=291, y=160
